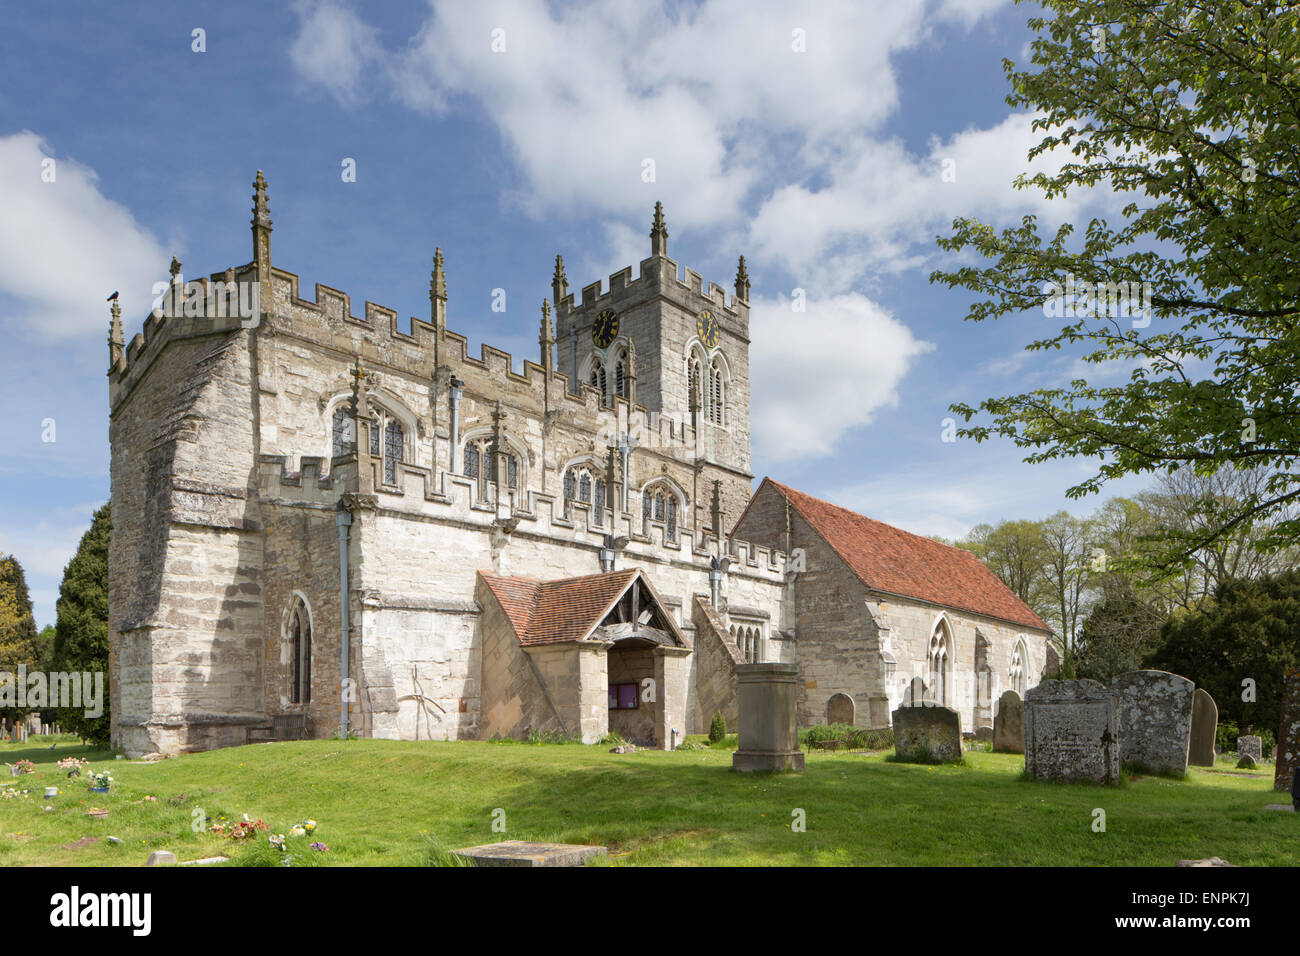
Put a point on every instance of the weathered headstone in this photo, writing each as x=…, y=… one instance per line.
x=927, y=734
x=769, y=729
x=1072, y=732
x=524, y=853
x=1205, y=723
x=916, y=693
x=1288, y=733
x=1155, y=720
x=1009, y=724
x=161, y=858
x=984, y=734
x=1250, y=746
x=839, y=709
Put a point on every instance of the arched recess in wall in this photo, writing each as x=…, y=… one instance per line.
x=841, y=709
x=1017, y=673
x=662, y=501
x=477, y=462
x=939, y=657
x=296, y=633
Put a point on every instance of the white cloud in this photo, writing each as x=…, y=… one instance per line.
x=333, y=49
x=819, y=373
x=65, y=246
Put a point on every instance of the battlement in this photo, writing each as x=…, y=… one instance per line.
x=655, y=273
x=454, y=498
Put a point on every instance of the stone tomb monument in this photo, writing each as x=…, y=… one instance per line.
x=1072, y=732
x=1205, y=723
x=1009, y=724
x=1288, y=733
x=927, y=734
x=1251, y=746
x=769, y=730
x=1155, y=720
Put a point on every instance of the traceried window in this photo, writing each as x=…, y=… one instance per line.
x=658, y=503
x=1017, y=675
x=300, y=664
x=481, y=464
x=598, y=381
x=393, y=446
x=344, y=442
x=580, y=484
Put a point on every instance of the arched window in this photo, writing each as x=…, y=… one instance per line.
x=659, y=503
x=939, y=661
x=716, y=397
x=393, y=446
x=582, y=484
x=622, y=382
x=598, y=380
x=481, y=465
x=694, y=396
x=1017, y=674
x=300, y=664
x=472, y=458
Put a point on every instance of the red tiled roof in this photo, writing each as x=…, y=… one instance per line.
x=894, y=561
x=568, y=609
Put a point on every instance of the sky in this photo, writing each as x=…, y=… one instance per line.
x=830, y=143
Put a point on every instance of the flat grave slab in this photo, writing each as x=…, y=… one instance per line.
x=525, y=853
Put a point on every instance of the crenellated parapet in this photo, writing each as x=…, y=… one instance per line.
x=418, y=493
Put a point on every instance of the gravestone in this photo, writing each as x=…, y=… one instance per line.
x=1288, y=733
x=1009, y=724
x=1251, y=746
x=1155, y=720
x=1072, y=732
x=839, y=710
x=984, y=734
x=769, y=729
x=927, y=734
x=1205, y=722
x=916, y=693
x=524, y=853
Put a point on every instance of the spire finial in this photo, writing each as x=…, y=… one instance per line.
x=742, y=282
x=175, y=267
x=547, y=338
x=559, y=282
x=659, y=233
x=438, y=292
x=261, y=225
x=115, y=336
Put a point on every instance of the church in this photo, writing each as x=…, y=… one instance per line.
x=327, y=523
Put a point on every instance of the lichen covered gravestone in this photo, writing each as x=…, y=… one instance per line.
x=1250, y=746
x=1009, y=724
x=1072, y=732
x=1205, y=721
x=1155, y=720
x=1288, y=732
x=927, y=734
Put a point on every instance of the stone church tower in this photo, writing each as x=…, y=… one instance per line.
x=327, y=523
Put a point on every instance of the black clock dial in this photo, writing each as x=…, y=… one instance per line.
x=706, y=326
x=605, y=328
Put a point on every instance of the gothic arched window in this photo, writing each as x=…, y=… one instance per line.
x=481, y=465
x=300, y=664
x=393, y=446
x=622, y=384
x=1017, y=675
x=471, y=460
x=716, y=397
x=694, y=397
x=344, y=442
x=580, y=482
x=598, y=380
x=939, y=661
x=659, y=503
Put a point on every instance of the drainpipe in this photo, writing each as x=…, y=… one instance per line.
x=344, y=521
x=455, y=422
x=624, y=449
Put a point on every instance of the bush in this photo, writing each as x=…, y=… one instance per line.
x=1226, y=734
x=717, y=728
x=612, y=739
x=847, y=736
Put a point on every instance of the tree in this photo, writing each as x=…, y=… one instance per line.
x=1065, y=539
x=1188, y=111
x=20, y=644
x=1016, y=552
x=1117, y=635
x=1249, y=630
x=81, y=632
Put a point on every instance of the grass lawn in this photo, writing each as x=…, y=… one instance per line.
x=400, y=803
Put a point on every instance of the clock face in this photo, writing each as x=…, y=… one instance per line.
x=706, y=326
x=605, y=328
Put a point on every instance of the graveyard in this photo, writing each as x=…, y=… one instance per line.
x=409, y=803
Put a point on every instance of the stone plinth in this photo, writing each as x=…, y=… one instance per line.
x=1205, y=722
x=1251, y=746
x=769, y=732
x=1009, y=724
x=524, y=853
x=1072, y=732
x=927, y=734
x=1288, y=733
x=1155, y=720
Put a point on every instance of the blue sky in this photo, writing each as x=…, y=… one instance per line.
x=822, y=165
